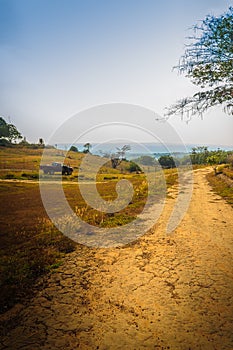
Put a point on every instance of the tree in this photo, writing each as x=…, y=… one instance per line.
x=73, y=149
x=4, y=132
x=146, y=160
x=14, y=134
x=87, y=147
x=122, y=151
x=24, y=142
x=208, y=62
x=116, y=158
x=115, y=161
x=199, y=155
x=41, y=142
x=167, y=162
x=217, y=157
x=133, y=167
x=9, y=131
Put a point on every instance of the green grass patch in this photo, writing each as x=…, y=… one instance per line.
x=10, y=176
x=117, y=220
x=30, y=176
x=221, y=187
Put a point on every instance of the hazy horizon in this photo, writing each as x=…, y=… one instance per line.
x=153, y=147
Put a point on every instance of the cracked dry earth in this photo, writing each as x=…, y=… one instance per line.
x=160, y=292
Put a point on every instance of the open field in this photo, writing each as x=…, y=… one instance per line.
x=23, y=163
x=30, y=244
x=160, y=292
x=117, y=291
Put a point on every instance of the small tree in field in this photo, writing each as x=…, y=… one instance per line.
x=41, y=142
x=73, y=149
x=117, y=157
x=167, y=162
x=133, y=167
x=208, y=62
x=87, y=147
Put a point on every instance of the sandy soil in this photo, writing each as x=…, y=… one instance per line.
x=161, y=292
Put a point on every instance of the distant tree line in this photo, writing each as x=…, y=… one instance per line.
x=9, y=136
x=199, y=155
x=86, y=148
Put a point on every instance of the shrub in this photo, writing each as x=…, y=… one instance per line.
x=73, y=149
x=10, y=176
x=5, y=143
x=167, y=162
x=30, y=176
x=230, y=159
x=133, y=167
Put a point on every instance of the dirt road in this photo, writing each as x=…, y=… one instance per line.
x=162, y=292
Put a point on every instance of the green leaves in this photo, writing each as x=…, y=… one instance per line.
x=9, y=131
x=208, y=62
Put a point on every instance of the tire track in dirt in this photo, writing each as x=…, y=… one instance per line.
x=161, y=292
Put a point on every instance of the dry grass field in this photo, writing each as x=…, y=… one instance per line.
x=37, y=260
x=30, y=244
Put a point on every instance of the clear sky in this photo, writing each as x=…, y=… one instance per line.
x=58, y=57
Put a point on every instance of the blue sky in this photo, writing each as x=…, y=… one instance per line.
x=58, y=57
